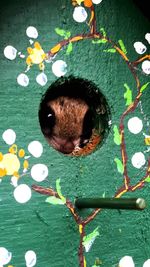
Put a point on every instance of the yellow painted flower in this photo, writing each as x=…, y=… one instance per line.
x=13, y=149
x=1, y=156
x=25, y=164
x=2, y=172
x=21, y=153
x=147, y=140
x=16, y=174
x=36, y=55
x=10, y=163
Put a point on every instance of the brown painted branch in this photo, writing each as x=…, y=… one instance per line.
x=131, y=108
x=141, y=183
x=91, y=216
x=138, y=61
x=92, y=20
x=51, y=192
x=63, y=43
x=120, y=192
x=124, y=156
x=81, y=248
x=135, y=76
x=45, y=191
x=71, y=207
x=79, y=37
x=138, y=185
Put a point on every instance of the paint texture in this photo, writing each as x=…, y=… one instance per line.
x=108, y=43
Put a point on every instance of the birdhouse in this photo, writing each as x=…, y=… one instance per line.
x=74, y=125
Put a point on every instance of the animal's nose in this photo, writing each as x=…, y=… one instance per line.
x=67, y=148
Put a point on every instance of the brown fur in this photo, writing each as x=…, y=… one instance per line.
x=69, y=117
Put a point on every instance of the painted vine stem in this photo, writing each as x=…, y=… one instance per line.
x=94, y=34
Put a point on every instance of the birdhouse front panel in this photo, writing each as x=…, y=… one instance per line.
x=74, y=124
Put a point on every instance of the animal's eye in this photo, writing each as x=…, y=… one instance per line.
x=83, y=141
x=47, y=119
x=49, y=115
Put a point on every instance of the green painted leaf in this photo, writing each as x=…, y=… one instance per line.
x=89, y=239
x=122, y=46
x=128, y=95
x=54, y=201
x=97, y=263
x=147, y=179
x=120, y=167
x=63, y=33
x=92, y=235
x=111, y=50
x=58, y=188
x=60, y=32
x=103, y=32
x=69, y=48
x=99, y=41
x=68, y=34
x=117, y=136
x=144, y=87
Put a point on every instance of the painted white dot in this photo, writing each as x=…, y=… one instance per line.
x=59, y=68
x=138, y=160
x=23, y=80
x=10, y=52
x=41, y=79
x=96, y=1
x=135, y=125
x=126, y=261
x=39, y=172
x=147, y=37
x=140, y=48
x=30, y=258
x=22, y=193
x=146, y=66
x=147, y=263
x=5, y=256
x=14, y=181
x=22, y=56
x=32, y=32
x=31, y=41
x=35, y=148
x=79, y=14
x=9, y=136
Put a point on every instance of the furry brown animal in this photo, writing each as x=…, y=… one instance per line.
x=69, y=112
x=69, y=130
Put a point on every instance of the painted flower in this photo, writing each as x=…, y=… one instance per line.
x=36, y=55
x=15, y=163
x=140, y=48
x=80, y=14
x=127, y=261
x=5, y=256
x=30, y=258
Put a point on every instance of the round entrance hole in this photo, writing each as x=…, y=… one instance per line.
x=74, y=116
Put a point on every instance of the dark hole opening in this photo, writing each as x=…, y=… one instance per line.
x=74, y=116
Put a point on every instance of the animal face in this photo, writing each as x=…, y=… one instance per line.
x=71, y=111
x=68, y=123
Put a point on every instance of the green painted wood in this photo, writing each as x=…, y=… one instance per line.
x=50, y=230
